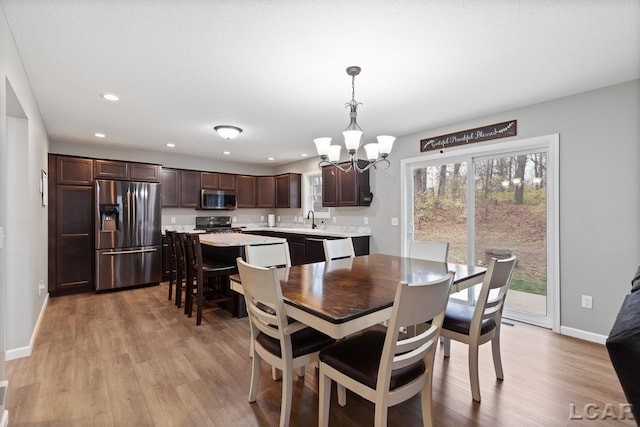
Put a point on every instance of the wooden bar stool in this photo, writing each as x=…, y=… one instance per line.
x=214, y=274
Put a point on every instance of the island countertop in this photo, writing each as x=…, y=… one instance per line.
x=237, y=239
x=310, y=232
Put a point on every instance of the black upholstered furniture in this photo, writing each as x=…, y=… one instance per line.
x=623, y=345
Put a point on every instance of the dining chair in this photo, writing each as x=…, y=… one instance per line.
x=177, y=242
x=273, y=255
x=477, y=325
x=338, y=248
x=387, y=367
x=173, y=267
x=432, y=251
x=286, y=345
x=199, y=271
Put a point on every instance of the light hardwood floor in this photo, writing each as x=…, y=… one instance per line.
x=131, y=358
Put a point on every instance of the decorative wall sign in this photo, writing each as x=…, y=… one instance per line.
x=484, y=133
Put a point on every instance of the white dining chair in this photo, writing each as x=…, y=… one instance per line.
x=477, y=325
x=432, y=251
x=284, y=344
x=272, y=255
x=386, y=367
x=338, y=248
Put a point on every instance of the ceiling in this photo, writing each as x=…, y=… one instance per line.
x=277, y=68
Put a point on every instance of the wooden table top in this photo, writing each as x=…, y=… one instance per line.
x=342, y=290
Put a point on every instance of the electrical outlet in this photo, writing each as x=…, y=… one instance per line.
x=366, y=220
x=394, y=221
x=173, y=220
x=335, y=220
x=587, y=302
x=40, y=286
x=234, y=219
x=262, y=218
x=278, y=218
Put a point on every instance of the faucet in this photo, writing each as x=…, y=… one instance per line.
x=312, y=215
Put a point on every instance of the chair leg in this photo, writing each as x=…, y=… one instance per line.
x=342, y=394
x=200, y=301
x=380, y=415
x=287, y=395
x=301, y=372
x=497, y=359
x=171, y=287
x=255, y=377
x=427, y=403
x=473, y=372
x=446, y=346
x=276, y=374
x=325, y=400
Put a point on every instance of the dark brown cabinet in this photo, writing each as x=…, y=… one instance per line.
x=226, y=181
x=189, y=189
x=73, y=170
x=113, y=169
x=266, y=195
x=345, y=188
x=144, y=172
x=71, y=234
x=170, y=188
x=246, y=191
x=288, y=190
x=210, y=180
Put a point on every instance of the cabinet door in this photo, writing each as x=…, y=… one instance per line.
x=266, y=192
x=297, y=252
x=314, y=250
x=170, y=188
x=144, y=172
x=189, y=189
x=210, y=180
x=74, y=171
x=226, y=181
x=347, y=188
x=330, y=186
x=288, y=188
x=74, y=237
x=246, y=191
x=110, y=169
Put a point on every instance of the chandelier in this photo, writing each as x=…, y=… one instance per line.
x=376, y=152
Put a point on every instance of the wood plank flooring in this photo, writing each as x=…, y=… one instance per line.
x=131, y=358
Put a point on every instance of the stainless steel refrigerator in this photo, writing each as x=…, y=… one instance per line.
x=128, y=234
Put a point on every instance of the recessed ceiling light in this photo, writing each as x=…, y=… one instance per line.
x=304, y=154
x=110, y=97
x=270, y=158
x=99, y=135
x=171, y=145
x=226, y=153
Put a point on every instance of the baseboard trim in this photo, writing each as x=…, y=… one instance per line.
x=4, y=422
x=583, y=335
x=20, y=352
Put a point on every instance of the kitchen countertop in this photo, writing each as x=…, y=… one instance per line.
x=237, y=239
x=309, y=231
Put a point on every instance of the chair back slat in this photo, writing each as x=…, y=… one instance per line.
x=274, y=255
x=432, y=251
x=338, y=248
x=494, y=291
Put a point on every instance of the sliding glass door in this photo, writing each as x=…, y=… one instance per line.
x=490, y=203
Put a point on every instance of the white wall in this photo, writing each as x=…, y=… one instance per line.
x=599, y=198
x=23, y=154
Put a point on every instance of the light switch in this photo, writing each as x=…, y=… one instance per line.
x=1, y=237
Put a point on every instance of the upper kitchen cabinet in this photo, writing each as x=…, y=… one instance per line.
x=210, y=180
x=74, y=170
x=246, y=191
x=112, y=169
x=288, y=193
x=144, y=172
x=226, y=181
x=189, y=189
x=345, y=188
x=266, y=196
x=170, y=188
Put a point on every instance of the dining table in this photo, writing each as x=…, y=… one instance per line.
x=345, y=296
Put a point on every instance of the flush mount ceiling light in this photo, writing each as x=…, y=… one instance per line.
x=99, y=135
x=376, y=152
x=227, y=132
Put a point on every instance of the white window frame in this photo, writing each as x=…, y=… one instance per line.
x=307, y=204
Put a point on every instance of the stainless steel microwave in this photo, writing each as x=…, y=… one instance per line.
x=217, y=199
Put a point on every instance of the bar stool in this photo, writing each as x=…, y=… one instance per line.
x=216, y=274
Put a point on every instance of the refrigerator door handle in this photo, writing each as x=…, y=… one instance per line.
x=136, y=251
